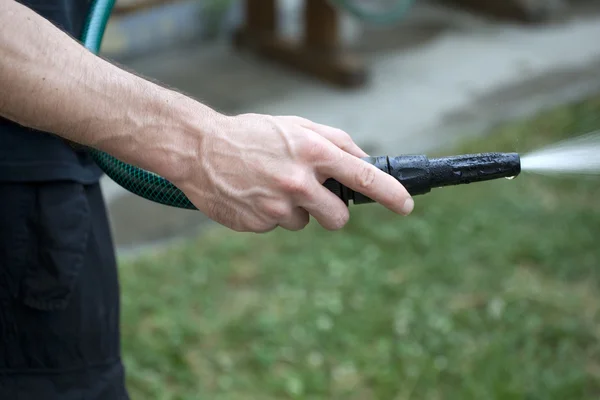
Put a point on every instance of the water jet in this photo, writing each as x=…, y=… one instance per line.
x=579, y=155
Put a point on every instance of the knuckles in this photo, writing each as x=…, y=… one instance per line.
x=255, y=225
x=311, y=149
x=365, y=177
x=262, y=228
x=345, y=140
x=296, y=184
x=339, y=222
x=276, y=211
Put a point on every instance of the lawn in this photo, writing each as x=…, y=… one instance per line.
x=487, y=291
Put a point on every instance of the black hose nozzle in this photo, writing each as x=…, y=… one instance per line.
x=419, y=174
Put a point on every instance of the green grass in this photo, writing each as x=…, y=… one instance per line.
x=488, y=291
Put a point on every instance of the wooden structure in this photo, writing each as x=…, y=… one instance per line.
x=318, y=53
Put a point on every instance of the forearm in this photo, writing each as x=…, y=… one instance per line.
x=51, y=83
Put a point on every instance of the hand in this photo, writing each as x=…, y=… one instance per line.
x=258, y=172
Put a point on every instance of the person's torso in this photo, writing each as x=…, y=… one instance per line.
x=30, y=155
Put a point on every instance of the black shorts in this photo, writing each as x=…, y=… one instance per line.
x=59, y=294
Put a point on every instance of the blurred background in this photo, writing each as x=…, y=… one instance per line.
x=487, y=291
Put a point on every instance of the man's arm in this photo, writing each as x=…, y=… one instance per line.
x=249, y=172
x=50, y=82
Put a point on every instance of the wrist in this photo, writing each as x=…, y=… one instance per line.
x=184, y=128
x=162, y=133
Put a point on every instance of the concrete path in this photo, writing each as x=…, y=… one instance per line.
x=437, y=77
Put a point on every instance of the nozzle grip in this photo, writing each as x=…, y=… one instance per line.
x=412, y=171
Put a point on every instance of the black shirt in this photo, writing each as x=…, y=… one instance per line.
x=30, y=155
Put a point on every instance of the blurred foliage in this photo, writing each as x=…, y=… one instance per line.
x=488, y=291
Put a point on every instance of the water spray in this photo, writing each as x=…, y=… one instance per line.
x=579, y=155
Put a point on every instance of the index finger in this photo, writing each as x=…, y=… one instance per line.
x=365, y=178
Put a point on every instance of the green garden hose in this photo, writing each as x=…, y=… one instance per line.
x=136, y=180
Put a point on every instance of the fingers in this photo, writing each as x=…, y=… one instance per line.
x=338, y=157
x=336, y=136
x=296, y=220
x=340, y=138
x=328, y=209
x=369, y=180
